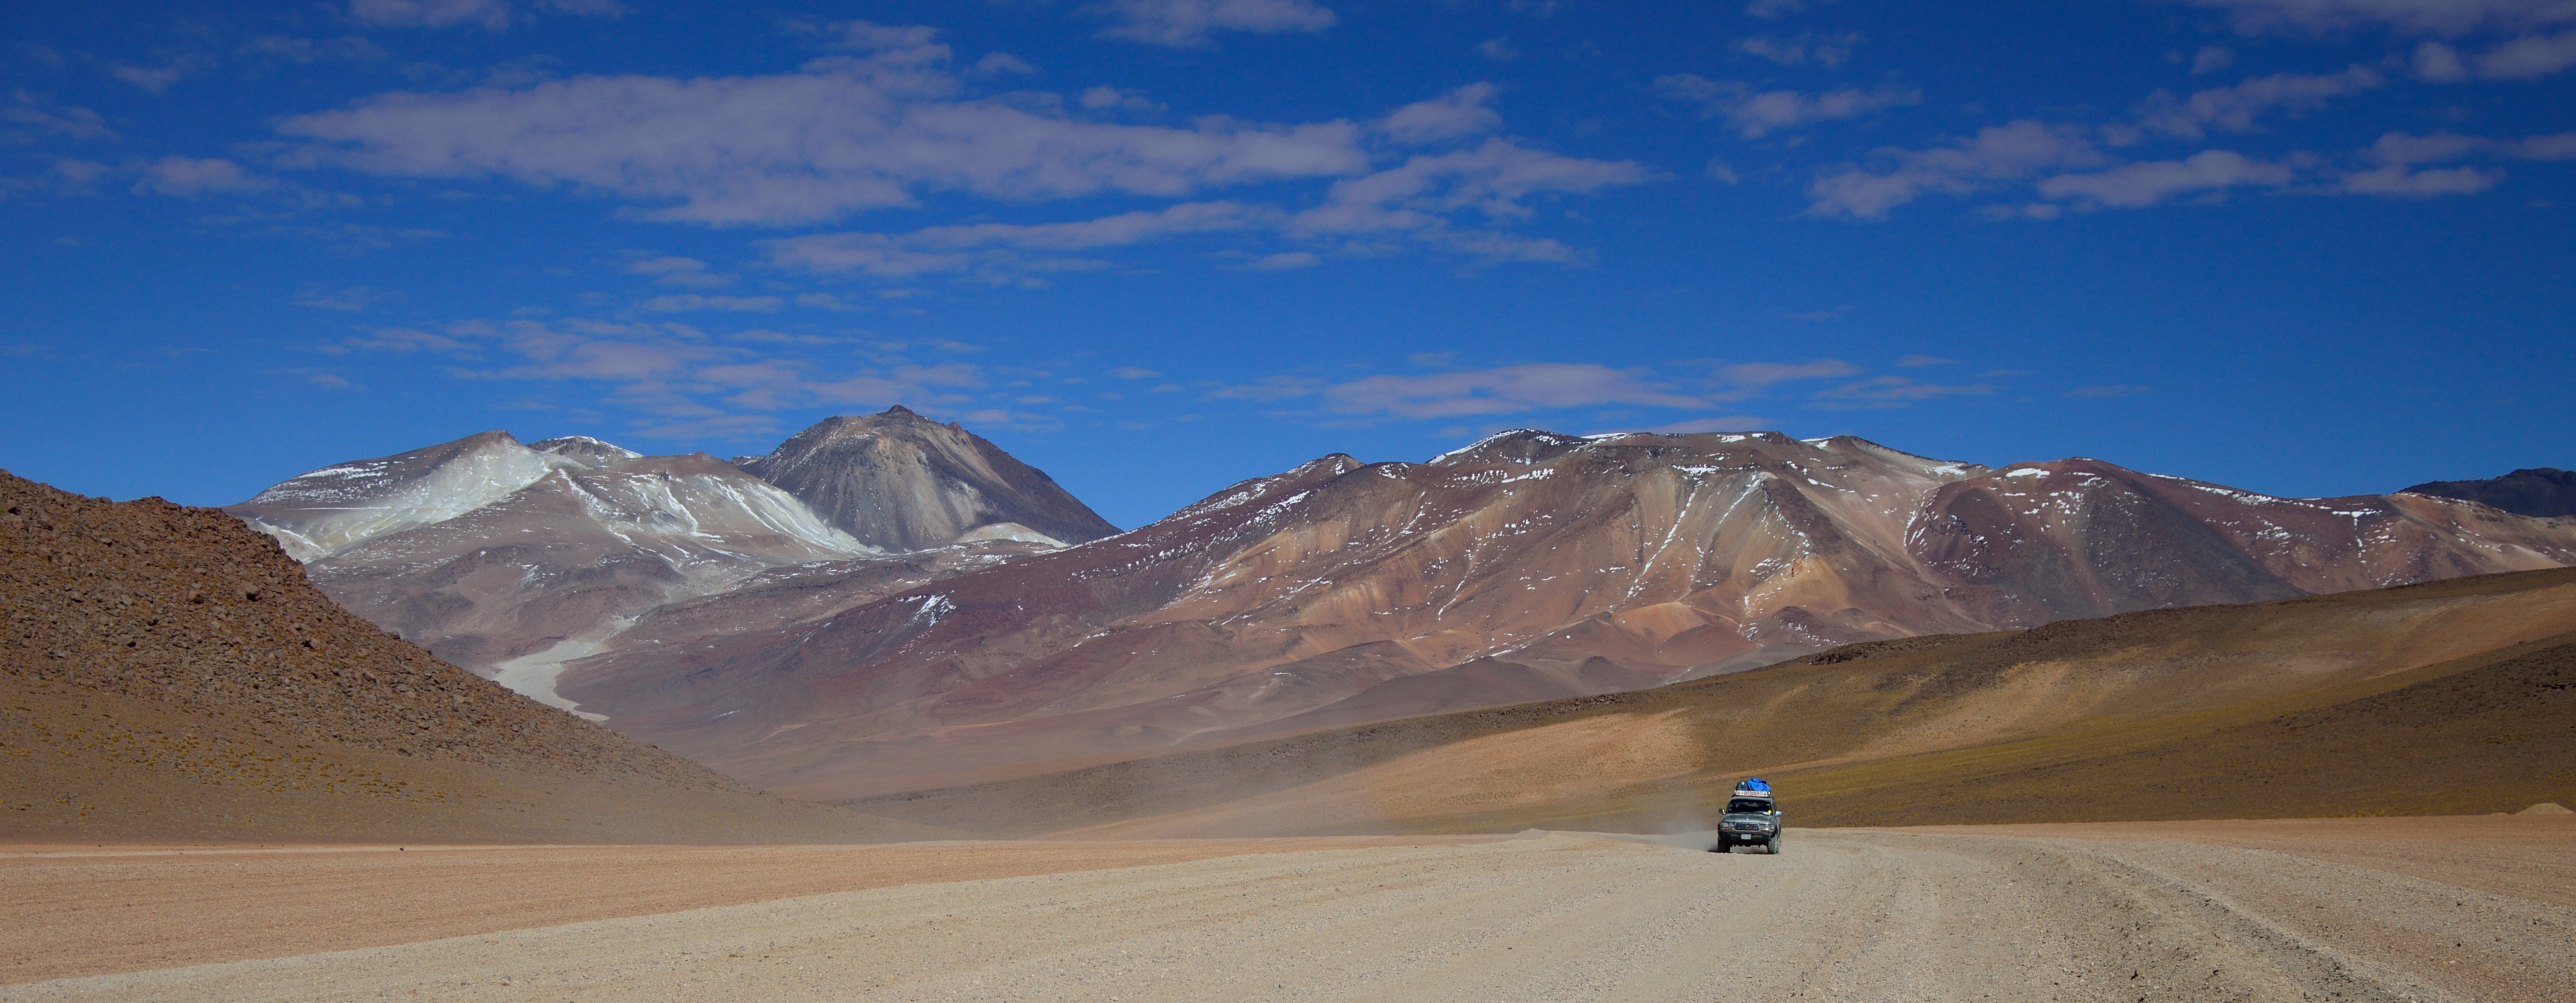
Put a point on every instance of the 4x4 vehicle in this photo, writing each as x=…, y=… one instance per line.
x=1752, y=818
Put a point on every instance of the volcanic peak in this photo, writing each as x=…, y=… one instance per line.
x=899, y=481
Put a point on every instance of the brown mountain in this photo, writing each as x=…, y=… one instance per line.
x=166, y=673
x=2454, y=697
x=2540, y=491
x=898, y=481
x=1528, y=566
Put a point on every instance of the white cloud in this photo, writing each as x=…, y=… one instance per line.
x=1757, y=113
x=2529, y=57
x=2211, y=59
x=2396, y=154
x=1746, y=378
x=2399, y=181
x=1188, y=23
x=287, y=48
x=1730, y=423
x=1284, y=261
x=2439, y=63
x=688, y=302
x=677, y=380
x=846, y=134
x=352, y=299
x=1829, y=51
x=2402, y=148
x=491, y=14
x=2558, y=147
x=2143, y=184
x=2427, y=17
x=678, y=271
x=1500, y=50
x=27, y=110
x=1507, y=390
x=997, y=63
x=1106, y=97
x=159, y=78
x=1892, y=392
x=1454, y=115
x=188, y=177
x=2236, y=108
x=956, y=248
x=869, y=36
x=2012, y=152
x=1415, y=198
x=1774, y=9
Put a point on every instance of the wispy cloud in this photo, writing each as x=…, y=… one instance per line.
x=1191, y=23
x=494, y=15
x=352, y=299
x=1996, y=154
x=32, y=115
x=1507, y=390
x=2427, y=17
x=1892, y=392
x=1829, y=51
x=2236, y=108
x=686, y=302
x=1756, y=113
x=188, y=177
x=2143, y=184
x=848, y=133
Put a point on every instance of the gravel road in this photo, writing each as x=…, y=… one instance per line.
x=1844, y=915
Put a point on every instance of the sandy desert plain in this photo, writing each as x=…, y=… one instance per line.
x=2433, y=908
x=219, y=785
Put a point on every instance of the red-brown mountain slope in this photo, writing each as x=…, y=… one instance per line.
x=1527, y=566
x=166, y=673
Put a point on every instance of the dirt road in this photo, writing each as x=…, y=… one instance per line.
x=1844, y=915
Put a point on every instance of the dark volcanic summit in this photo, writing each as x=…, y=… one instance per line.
x=2541, y=491
x=899, y=481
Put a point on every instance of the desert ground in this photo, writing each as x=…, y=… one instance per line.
x=2425, y=908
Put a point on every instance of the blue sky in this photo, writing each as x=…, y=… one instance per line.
x=1155, y=246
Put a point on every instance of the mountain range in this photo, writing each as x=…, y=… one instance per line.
x=886, y=603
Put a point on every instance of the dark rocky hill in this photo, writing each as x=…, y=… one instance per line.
x=2540, y=491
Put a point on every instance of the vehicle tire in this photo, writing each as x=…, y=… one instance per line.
x=1722, y=847
x=1772, y=847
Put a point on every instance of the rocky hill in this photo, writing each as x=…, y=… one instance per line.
x=2540, y=491
x=1528, y=566
x=167, y=673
